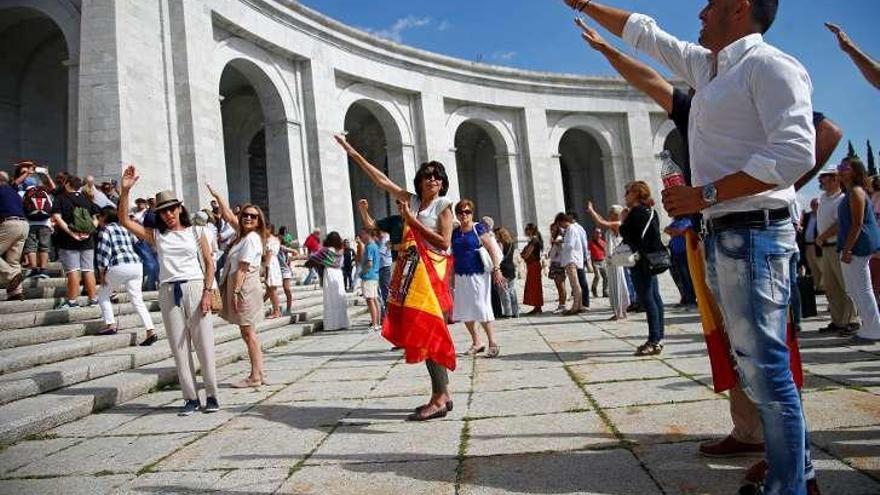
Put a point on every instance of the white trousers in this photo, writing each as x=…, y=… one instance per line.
x=857, y=279
x=129, y=276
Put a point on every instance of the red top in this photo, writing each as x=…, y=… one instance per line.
x=597, y=249
x=312, y=243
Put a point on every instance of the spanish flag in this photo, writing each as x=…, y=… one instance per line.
x=418, y=296
x=724, y=375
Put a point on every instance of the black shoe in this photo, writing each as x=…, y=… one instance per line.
x=190, y=407
x=211, y=405
x=150, y=340
x=831, y=327
x=108, y=331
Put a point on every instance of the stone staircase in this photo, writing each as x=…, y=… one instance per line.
x=55, y=369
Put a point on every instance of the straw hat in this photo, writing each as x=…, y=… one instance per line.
x=165, y=200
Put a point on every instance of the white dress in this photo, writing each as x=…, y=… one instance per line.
x=335, y=308
x=618, y=295
x=273, y=275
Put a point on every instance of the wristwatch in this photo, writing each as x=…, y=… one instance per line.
x=710, y=194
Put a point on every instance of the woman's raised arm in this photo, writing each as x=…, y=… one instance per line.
x=377, y=176
x=129, y=179
x=225, y=210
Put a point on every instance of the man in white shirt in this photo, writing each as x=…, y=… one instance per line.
x=843, y=311
x=582, y=269
x=571, y=260
x=751, y=136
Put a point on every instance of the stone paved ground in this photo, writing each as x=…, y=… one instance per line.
x=565, y=409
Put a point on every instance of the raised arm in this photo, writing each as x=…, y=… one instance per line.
x=129, y=179
x=441, y=239
x=364, y=211
x=612, y=19
x=640, y=75
x=225, y=210
x=828, y=135
x=379, y=179
x=869, y=67
x=600, y=220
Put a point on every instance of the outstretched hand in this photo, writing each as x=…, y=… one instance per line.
x=576, y=4
x=590, y=207
x=212, y=190
x=842, y=37
x=342, y=141
x=129, y=178
x=363, y=204
x=591, y=36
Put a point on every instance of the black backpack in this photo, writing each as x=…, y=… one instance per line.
x=37, y=203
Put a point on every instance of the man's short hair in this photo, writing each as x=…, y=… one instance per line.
x=764, y=13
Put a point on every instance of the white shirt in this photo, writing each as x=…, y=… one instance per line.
x=826, y=215
x=430, y=216
x=754, y=116
x=248, y=250
x=572, y=247
x=178, y=253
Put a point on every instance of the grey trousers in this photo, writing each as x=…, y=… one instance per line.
x=187, y=328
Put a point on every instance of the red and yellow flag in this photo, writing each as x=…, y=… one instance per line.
x=417, y=299
x=724, y=375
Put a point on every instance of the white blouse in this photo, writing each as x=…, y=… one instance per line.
x=430, y=215
x=248, y=250
x=179, y=255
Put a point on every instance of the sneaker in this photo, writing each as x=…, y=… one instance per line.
x=649, y=349
x=35, y=273
x=150, y=340
x=211, y=405
x=190, y=407
x=730, y=447
x=67, y=305
x=44, y=273
x=831, y=327
x=92, y=302
x=108, y=331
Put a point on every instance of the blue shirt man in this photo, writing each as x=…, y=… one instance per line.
x=371, y=262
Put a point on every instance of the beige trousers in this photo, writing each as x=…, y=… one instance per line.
x=577, y=300
x=186, y=327
x=746, y=421
x=815, y=264
x=12, y=236
x=843, y=311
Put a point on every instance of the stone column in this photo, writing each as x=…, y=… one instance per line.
x=545, y=173
x=435, y=141
x=644, y=165
x=286, y=183
x=509, y=189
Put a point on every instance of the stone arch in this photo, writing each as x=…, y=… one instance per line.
x=253, y=105
x=384, y=106
x=497, y=126
x=668, y=137
x=39, y=83
x=607, y=139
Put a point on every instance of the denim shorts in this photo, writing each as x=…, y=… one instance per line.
x=39, y=239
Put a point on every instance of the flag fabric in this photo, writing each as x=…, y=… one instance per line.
x=724, y=376
x=417, y=299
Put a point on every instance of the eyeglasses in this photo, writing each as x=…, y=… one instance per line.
x=463, y=212
x=432, y=176
x=249, y=216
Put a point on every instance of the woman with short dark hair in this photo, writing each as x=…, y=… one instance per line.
x=534, y=291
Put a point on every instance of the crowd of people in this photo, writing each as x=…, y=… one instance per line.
x=435, y=262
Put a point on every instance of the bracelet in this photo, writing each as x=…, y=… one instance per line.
x=582, y=4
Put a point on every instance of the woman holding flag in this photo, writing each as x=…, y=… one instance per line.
x=419, y=293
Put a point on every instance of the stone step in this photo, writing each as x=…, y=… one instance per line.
x=25, y=357
x=31, y=336
x=41, y=379
x=49, y=304
x=40, y=318
x=33, y=415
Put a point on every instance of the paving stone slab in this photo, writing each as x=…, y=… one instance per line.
x=672, y=422
x=24, y=453
x=542, y=433
x=96, y=424
x=166, y=420
x=98, y=455
x=658, y=391
x=528, y=401
x=516, y=379
x=348, y=374
x=390, y=442
x=396, y=409
x=308, y=415
x=324, y=391
x=858, y=373
x=606, y=472
x=636, y=370
x=436, y=477
x=239, y=481
x=68, y=485
x=229, y=448
x=841, y=408
x=860, y=447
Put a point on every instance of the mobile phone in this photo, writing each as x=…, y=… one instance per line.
x=41, y=170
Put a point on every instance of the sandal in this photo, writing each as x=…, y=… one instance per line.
x=493, y=351
x=418, y=416
x=246, y=383
x=649, y=349
x=474, y=350
x=449, y=406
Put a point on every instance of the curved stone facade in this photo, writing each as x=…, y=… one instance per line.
x=247, y=94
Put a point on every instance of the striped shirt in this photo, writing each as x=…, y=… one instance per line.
x=115, y=247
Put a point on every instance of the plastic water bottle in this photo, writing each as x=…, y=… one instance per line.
x=670, y=172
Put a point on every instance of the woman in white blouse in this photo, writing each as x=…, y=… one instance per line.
x=186, y=273
x=241, y=288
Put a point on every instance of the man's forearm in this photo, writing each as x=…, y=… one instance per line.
x=612, y=19
x=640, y=75
x=739, y=185
x=868, y=66
x=828, y=135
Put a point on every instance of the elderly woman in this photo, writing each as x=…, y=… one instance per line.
x=641, y=231
x=241, y=288
x=427, y=214
x=618, y=294
x=186, y=272
x=857, y=240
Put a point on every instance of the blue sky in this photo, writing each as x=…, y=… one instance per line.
x=539, y=35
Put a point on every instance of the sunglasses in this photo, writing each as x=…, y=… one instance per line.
x=249, y=216
x=463, y=212
x=432, y=176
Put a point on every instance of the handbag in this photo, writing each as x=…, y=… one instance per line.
x=216, y=296
x=658, y=261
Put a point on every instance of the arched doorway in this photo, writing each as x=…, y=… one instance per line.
x=583, y=177
x=476, y=159
x=371, y=131
x=34, y=90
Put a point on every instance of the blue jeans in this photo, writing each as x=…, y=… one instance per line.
x=648, y=291
x=585, y=287
x=682, y=276
x=310, y=277
x=795, y=293
x=384, y=285
x=749, y=271
x=151, y=264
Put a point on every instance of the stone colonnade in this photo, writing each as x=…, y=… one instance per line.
x=247, y=94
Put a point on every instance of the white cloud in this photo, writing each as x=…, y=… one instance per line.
x=444, y=25
x=504, y=56
x=395, y=32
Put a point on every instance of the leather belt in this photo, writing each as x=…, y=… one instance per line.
x=756, y=218
x=9, y=219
